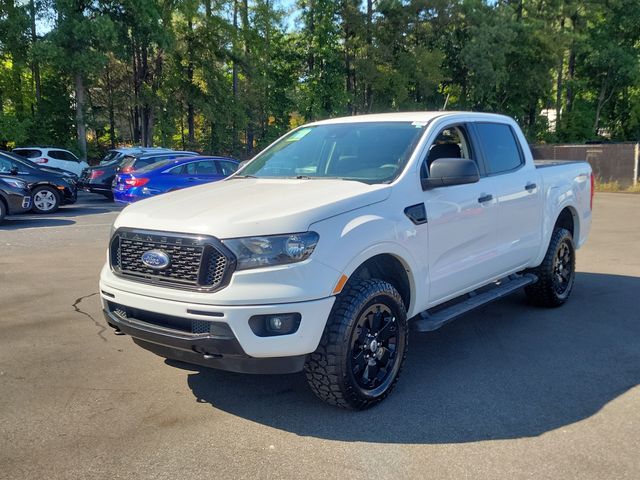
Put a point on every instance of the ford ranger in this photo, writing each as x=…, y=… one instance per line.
x=324, y=251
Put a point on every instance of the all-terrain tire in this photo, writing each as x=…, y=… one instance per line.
x=364, y=315
x=556, y=273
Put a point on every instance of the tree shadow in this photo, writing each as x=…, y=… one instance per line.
x=20, y=222
x=506, y=371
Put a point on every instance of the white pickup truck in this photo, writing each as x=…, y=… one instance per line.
x=326, y=249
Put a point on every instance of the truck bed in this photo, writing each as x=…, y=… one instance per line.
x=553, y=163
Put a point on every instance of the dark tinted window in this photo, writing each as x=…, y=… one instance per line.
x=227, y=168
x=28, y=152
x=204, y=167
x=62, y=155
x=499, y=146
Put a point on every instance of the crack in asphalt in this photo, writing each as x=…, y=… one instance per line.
x=82, y=312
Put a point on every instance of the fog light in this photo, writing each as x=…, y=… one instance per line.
x=276, y=324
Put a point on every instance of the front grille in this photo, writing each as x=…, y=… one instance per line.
x=195, y=262
x=180, y=324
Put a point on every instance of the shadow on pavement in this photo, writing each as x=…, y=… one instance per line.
x=87, y=204
x=507, y=371
x=26, y=221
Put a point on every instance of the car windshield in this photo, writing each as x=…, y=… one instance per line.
x=24, y=161
x=370, y=152
x=111, y=157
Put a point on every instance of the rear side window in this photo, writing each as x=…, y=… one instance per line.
x=62, y=155
x=28, y=152
x=499, y=146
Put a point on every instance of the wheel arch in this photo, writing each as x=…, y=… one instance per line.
x=390, y=267
x=568, y=219
x=5, y=203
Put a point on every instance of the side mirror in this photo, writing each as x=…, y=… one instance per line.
x=14, y=171
x=451, y=171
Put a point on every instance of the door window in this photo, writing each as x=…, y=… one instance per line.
x=451, y=142
x=227, y=168
x=202, y=167
x=62, y=155
x=500, y=147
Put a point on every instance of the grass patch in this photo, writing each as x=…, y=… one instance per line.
x=615, y=187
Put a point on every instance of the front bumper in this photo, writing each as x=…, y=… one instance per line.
x=235, y=347
x=69, y=195
x=99, y=188
x=18, y=203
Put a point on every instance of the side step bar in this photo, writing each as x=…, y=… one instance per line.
x=428, y=321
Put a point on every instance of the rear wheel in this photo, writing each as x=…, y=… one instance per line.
x=3, y=211
x=363, y=347
x=45, y=200
x=556, y=274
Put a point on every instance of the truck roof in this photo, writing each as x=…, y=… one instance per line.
x=405, y=117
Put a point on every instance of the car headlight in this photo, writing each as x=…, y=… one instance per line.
x=256, y=252
x=14, y=182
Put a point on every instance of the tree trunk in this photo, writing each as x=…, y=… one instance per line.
x=190, y=90
x=559, y=80
x=35, y=67
x=80, y=126
x=234, y=81
x=136, y=95
x=368, y=89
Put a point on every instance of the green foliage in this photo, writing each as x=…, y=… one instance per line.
x=230, y=76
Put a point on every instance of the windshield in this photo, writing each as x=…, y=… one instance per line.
x=371, y=152
x=111, y=157
x=24, y=161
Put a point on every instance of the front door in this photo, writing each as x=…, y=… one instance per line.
x=461, y=223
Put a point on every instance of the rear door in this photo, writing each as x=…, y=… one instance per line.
x=518, y=192
x=65, y=160
x=461, y=221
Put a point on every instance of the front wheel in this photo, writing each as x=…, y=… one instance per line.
x=556, y=274
x=45, y=200
x=363, y=347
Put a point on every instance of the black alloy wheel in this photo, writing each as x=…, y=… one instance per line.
x=556, y=274
x=364, y=344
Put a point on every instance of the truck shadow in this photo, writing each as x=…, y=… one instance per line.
x=506, y=371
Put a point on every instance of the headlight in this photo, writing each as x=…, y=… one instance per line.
x=255, y=252
x=14, y=182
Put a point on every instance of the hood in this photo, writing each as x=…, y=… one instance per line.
x=250, y=206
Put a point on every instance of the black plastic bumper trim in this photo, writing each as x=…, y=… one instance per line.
x=223, y=353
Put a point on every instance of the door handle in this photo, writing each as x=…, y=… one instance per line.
x=485, y=198
x=529, y=187
x=192, y=179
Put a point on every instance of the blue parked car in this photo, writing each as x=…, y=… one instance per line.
x=167, y=175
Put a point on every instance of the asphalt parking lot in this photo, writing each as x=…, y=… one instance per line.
x=508, y=392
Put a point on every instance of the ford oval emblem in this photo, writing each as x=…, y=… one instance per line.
x=156, y=259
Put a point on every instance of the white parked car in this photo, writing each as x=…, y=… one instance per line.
x=331, y=244
x=53, y=157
